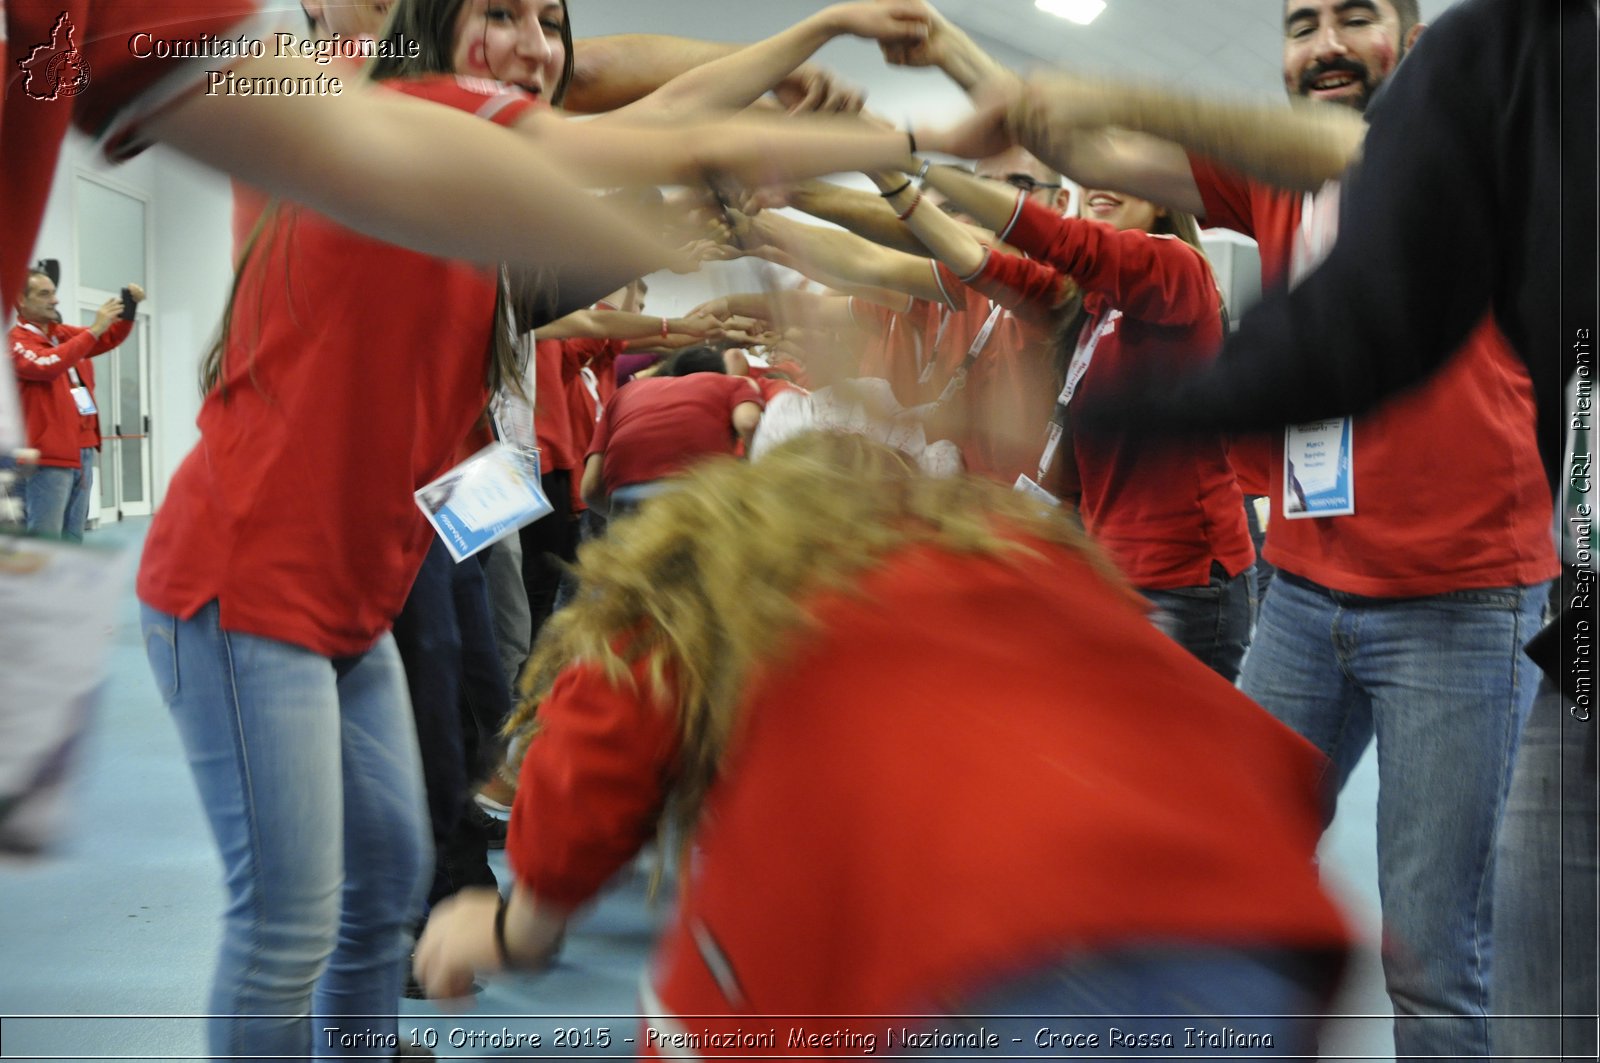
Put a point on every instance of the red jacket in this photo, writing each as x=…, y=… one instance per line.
x=42, y=360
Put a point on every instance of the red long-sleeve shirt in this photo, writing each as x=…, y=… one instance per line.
x=42, y=359
x=1163, y=512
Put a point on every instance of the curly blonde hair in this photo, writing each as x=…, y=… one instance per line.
x=711, y=581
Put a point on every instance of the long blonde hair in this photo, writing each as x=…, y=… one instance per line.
x=711, y=581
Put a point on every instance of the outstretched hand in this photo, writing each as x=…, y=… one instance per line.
x=892, y=23
x=925, y=50
x=813, y=89
x=988, y=131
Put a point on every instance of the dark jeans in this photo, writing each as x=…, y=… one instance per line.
x=1544, y=890
x=1211, y=621
x=546, y=543
x=459, y=699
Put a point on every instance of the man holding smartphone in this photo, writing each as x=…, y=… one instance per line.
x=51, y=360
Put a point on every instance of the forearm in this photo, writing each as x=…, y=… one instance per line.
x=861, y=212
x=964, y=62
x=472, y=191
x=943, y=237
x=1300, y=148
x=533, y=929
x=750, y=149
x=991, y=204
x=851, y=258
x=40, y=363
x=1064, y=120
x=614, y=71
x=613, y=325
x=737, y=79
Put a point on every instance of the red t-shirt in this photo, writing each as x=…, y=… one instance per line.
x=118, y=90
x=555, y=368
x=898, y=344
x=295, y=511
x=1450, y=493
x=658, y=426
x=43, y=365
x=583, y=406
x=948, y=776
x=1163, y=511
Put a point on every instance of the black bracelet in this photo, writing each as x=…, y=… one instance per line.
x=911, y=138
x=500, y=935
x=896, y=192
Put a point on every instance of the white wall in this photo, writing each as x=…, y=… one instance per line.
x=188, y=281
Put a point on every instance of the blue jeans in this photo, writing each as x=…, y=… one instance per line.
x=1544, y=893
x=1211, y=621
x=1443, y=685
x=77, y=514
x=46, y=490
x=308, y=772
x=1153, y=1003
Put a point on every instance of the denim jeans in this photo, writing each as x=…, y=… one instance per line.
x=459, y=700
x=307, y=770
x=77, y=514
x=1210, y=621
x=1443, y=685
x=1153, y=1003
x=1544, y=890
x=46, y=491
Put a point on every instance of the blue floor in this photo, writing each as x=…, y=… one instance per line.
x=106, y=947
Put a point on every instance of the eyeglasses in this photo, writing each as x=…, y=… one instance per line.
x=1028, y=183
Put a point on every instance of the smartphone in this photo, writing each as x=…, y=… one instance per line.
x=129, y=307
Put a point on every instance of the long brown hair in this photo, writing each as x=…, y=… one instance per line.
x=711, y=581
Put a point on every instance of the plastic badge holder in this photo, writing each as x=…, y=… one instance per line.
x=485, y=499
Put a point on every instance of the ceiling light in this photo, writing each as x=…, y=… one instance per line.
x=1082, y=12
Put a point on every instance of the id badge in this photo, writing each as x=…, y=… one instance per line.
x=485, y=499
x=1026, y=485
x=1319, y=470
x=84, y=401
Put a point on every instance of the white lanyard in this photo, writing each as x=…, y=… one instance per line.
x=959, y=379
x=925, y=368
x=1081, y=360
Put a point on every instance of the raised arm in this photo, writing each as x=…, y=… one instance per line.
x=812, y=308
x=614, y=71
x=992, y=204
x=945, y=238
x=947, y=46
x=738, y=79
x=471, y=190
x=622, y=325
x=751, y=149
x=849, y=257
x=1300, y=146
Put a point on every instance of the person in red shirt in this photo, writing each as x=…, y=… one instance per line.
x=656, y=428
x=927, y=767
x=51, y=361
x=1131, y=286
x=1414, y=574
